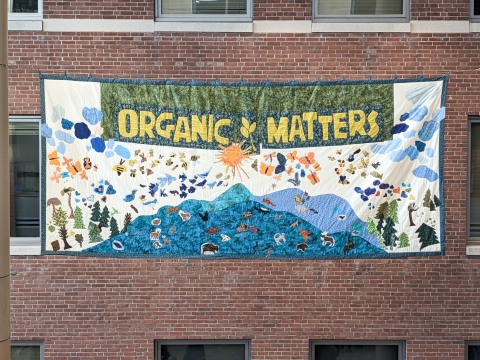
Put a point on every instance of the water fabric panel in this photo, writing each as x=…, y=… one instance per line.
x=322, y=170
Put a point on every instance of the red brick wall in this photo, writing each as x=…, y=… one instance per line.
x=112, y=9
x=282, y=9
x=439, y=10
x=98, y=308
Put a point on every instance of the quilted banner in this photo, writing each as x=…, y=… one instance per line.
x=320, y=170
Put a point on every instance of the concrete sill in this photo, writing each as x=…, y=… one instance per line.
x=473, y=249
x=25, y=25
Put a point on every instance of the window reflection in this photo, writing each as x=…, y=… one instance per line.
x=474, y=352
x=209, y=351
x=205, y=7
x=474, y=181
x=25, y=352
x=360, y=352
x=24, y=180
x=360, y=7
x=24, y=6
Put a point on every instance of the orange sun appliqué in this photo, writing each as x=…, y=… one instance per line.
x=233, y=156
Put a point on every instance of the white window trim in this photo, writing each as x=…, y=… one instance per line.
x=373, y=19
x=28, y=245
x=30, y=343
x=26, y=16
x=203, y=18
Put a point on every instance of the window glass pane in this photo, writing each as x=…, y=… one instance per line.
x=25, y=353
x=205, y=7
x=476, y=7
x=475, y=180
x=24, y=180
x=24, y=6
x=474, y=352
x=357, y=352
x=202, y=352
x=360, y=7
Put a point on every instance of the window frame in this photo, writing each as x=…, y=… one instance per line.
x=402, y=348
x=22, y=343
x=471, y=120
x=473, y=17
x=33, y=242
x=12, y=16
x=391, y=18
x=203, y=18
x=468, y=344
x=158, y=343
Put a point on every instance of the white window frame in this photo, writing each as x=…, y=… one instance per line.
x=246, y=343
x=402, y=353
x=30, y=343
x=391, y=18
x=12, y=16
x=29, y=245
x=202, y=18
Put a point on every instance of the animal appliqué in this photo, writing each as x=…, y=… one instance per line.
x=279, y=238
x=209, y=249
x=302, y=247
x=348, y=247
x=327, y=240
x=154, y=235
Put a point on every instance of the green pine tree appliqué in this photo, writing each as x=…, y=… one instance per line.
x=78, y=219
x=104, y=217
x=94, y=233
x=95, y=212
x=427, y=236
x=113, y=227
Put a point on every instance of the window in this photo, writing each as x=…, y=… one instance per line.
x=202, y=350
x=475, y=10
x=26, y=350
x=361, y=10
x=359, y=350
x=472, y=350
x=25, y=10
x=473, y=181
x=204, y=10
x=24, y=180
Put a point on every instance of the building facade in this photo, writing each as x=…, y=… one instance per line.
x=119, y=308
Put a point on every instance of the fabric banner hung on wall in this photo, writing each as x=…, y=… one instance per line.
x=137, y=168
